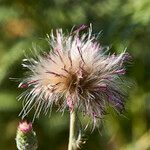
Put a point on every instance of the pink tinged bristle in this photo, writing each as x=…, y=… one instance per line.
x=80, y=73
x=127, y=57
x=81, y=67
x=95, y=115
x=59, y=42
x=64, y=69
x=78, y=42
x=56, y=84
x=34, y=81
x=56, y=74
x=102, y=88
x=80, y=28
x=37, y=90
x=96, y=47
x=49, y=57
x=52, y=60
x=120, y=72
x=80, y=53
x=23, y=85
x=70, y=103
x=69, y=57
x=118, y=104
x=26, y=85
x=107, y=77
x=57, y=50
x=47, y=95
x=110, y=97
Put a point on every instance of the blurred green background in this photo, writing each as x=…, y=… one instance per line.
x=124, y=23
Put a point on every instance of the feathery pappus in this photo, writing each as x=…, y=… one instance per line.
x=75, y=74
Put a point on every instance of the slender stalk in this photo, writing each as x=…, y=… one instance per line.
x=72, y=132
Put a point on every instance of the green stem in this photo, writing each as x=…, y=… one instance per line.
x=72, y=132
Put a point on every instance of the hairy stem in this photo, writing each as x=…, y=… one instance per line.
x=72, y=132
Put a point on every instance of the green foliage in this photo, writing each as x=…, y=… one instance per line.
x=123, y=24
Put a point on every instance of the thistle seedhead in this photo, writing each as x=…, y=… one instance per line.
x=75, y=74
x=26, y=138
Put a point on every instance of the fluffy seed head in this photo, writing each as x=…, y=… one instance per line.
x=75, y=74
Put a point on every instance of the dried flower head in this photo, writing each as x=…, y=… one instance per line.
x=75, y=74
